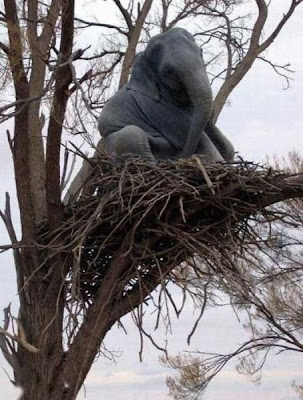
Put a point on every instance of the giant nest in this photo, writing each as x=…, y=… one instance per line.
x=161, y=216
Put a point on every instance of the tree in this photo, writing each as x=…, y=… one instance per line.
x=69, y=261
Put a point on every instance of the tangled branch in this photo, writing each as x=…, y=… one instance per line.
x=156, y=217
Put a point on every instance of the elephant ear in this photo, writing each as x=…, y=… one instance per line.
x=143, y=79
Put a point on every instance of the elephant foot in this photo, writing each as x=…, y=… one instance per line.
x=209, y=158
x=129, y=142
x=135, y=157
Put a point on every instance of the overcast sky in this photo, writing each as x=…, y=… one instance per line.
x=262, y=119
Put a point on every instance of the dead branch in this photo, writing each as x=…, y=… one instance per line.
x=256, y=47
x=20, y=338
x=7, y=219
x=63, y=80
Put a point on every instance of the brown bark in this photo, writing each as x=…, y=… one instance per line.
x=21, y=139
x=61, y=95
x=133, y=38
x=43, y=320
x=101, y=315
x=38, y=306
x=41, y=305
x=39, y=46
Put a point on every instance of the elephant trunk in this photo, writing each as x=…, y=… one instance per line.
x=200, y=94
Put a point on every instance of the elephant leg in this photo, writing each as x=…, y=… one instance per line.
x=161, y=147
x=207, y=150
x=221, y=142
x=129, y=141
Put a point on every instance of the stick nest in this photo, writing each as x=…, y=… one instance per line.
x=152, y=218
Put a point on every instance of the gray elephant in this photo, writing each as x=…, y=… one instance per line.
x=165, y=109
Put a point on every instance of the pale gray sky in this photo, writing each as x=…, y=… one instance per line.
x=262, y=119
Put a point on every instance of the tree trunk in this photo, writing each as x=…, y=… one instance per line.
x=41, y=286
x=42, y=322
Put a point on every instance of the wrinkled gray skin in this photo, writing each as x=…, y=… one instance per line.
x=165, y=109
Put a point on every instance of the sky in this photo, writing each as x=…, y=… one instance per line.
x=261, y=119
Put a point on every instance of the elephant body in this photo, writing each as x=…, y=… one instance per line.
x=164, y=112
x=163, y=119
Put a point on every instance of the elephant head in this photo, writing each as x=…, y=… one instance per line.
x=173, y=63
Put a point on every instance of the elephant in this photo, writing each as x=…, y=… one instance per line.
x=164, y=111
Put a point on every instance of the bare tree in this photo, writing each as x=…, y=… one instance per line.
x=103, y=255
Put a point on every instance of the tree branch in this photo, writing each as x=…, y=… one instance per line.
x=32, y=22
x=63, y=80
x=263, y=46
x=49, y=25
x=20, y=338
x=125, y=14
x=21, y=138
x=7, y=219
x=134, y=35
x=102, y=25
x=255, y=48
x=39, y=46
x=4, y=48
